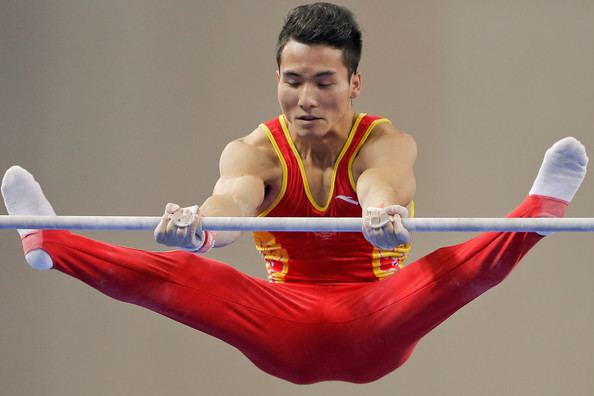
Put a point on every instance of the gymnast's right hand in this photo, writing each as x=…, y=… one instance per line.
x=181, y=227
x=382, y=227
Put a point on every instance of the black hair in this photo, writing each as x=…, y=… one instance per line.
x=326, y=24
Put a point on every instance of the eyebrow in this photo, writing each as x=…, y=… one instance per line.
x=325, y=73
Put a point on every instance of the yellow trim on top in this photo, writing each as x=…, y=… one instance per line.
x=361, y=142
x=334, y=170
x=284, y=167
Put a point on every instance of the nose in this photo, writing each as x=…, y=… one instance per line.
x=307, y=99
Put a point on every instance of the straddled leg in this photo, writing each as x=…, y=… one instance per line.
x=251, y=314
x=269, y=323
x=405, y=307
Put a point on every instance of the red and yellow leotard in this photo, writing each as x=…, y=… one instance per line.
x=322, y=257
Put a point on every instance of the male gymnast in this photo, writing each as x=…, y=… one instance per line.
x=337, y=306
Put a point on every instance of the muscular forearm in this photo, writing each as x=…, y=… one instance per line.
x=222, y=206
x=233, y=197
x=376, y=190
x=381, y=196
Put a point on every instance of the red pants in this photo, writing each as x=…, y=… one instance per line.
x=303, y=333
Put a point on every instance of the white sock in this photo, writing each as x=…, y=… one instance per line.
x=23, y=196
x=562, y=170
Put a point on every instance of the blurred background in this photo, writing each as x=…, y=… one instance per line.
x=118, y=107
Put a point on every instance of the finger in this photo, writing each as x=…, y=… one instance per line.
x=373, y=226
x=164, y=229
x=170, y=230
x=171, y=208
x=161, y=229
x=393, y=210
x=400, y=232
x=194, y=209
x=376, y=217
x=196, y=231
x=382, y=238
x=390, y=237
x=182, y=238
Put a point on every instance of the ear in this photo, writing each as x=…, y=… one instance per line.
x=355, y=85
x=277, y=75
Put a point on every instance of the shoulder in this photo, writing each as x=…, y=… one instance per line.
x=387, y=133
x=250, y=154
x=387, y=143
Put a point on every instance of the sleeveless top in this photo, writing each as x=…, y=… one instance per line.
x=322, y=257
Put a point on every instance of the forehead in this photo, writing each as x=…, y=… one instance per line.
x=305, y=59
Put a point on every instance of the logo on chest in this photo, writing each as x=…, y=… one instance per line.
x=348, y=199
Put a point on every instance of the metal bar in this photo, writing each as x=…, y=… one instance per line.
x=302, y=224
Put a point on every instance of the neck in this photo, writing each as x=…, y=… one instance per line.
x=323, y=150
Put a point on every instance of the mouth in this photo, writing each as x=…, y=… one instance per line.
x=308, y=118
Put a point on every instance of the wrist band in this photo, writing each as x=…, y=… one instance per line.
x=208, y=244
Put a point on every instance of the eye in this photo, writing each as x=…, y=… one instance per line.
x=325, y=84
x=292, y=83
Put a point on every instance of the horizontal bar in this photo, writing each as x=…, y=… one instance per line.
x=301, y=224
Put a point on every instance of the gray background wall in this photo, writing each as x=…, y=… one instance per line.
x=118, y=107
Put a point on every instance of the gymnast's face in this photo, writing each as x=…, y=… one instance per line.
x=315, y=91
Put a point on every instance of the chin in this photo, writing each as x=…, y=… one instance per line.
x=309, y=132
x=308, y=129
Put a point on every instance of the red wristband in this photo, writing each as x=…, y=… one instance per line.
x=208, y=244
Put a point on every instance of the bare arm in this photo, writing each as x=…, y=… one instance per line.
x=386, y=168
x=239, y=191
x=385, y=185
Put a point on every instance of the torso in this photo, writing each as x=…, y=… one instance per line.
x=319, y=177
x=303, y=189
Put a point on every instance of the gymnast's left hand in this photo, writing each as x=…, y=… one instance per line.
x=180, y=227
x=383, y=227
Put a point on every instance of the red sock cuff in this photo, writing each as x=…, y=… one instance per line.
x=36, y=239
x=543, y=206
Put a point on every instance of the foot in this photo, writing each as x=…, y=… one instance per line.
x=23, y=196
x=562, y=170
